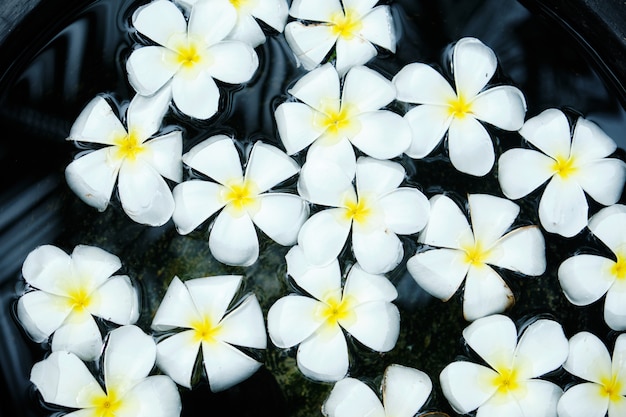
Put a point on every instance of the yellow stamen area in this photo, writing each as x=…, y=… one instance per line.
x=241, y=197
x=188, y=55
x=107, y=406
x=243, y=4
x=336, y=121
x=358, y=211
x=129, y=146
x=205, y=330
x=619, y=268
x=506, y=381
x=335, y=310
x=79, y=298
x=564, y=167
x=476, y=255
x=610, y=388
x=346, y=25
x=459, y=107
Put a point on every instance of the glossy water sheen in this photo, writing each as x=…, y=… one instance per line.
x=73, y=53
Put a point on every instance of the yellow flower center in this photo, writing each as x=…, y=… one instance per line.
x=564, y=167
x=358, y=211
x=243, y=4
x=107, y=406
x=79, y=298
x=507, y=380
x=610, y=388
x=619, y=268
x=129, y=146
x=241, y=197
x=335, y=310
x=188, y=55
x=476, y=255
x=205, y=330
x=459, y=107
x=346, y=25
x=337, y=124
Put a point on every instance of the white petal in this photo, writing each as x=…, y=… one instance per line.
x=226, y=365
x=447, y=226
x=212, y=20
x=365, y=287
x=376, y=177
x=340, y=153
x=233, y=240
x=198, y=97
x=145, y=196
x=588, y=358
x=272, y=12
x=376, y=325
x=504, y=405
x=79, y=334
x=619, y=363
x=248, y=30
x=379, y=92
x=378, y=27
x=155, y=396
x=212, y=295
x=383, y=134
x=421, y=84
x=216, y=157
x=93, y=263
x=149, y=69
x=609, y=225
x=563, y=207
x=309, y=43
x=116, y=300
x=470, y=147
x=97, y=123
x=428, y=125
x=585, y=278
x=589, y=142
x=295, y=126
x=234, y=62
x=614, y=307
x=323, y=235
x=41, y=313
x=542, y=348
x=319, y=88
x=582, y=400
x=129, y=357
x=491, y=217
x=485, y=293
x=324, y=356
x=362, y=7
x=165, y=155
x=405, y=390
x=281, y=216
x=473, y=65
x=406, y=210
x=145, y=114
x=353, y=52
x=177, y=355
x=617, y=408
x=522, y=250
x=318, y=11
x=352, y=398
x=439, y=271
x=176, y=309
x=540, y=399
x=377, y=251
x=291, y=320
x=603, y=180
x=244, y=326
x=550, y=132
x=63, y=379
x=521, y=171
x=318, y=281
x=195, y=201
x=494, y=338
x=502, y=106
x=465, y=385
x=159, y=20
x=92, y=177
x=269, y=166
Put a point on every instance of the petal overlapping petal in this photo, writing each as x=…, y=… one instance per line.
x=233, y=240
x=494, y=338
x=318, y=281
x=97, y=123
x=375, y=324
x=340, y=153
x=309, y=43
x=521, y=171
x=379, y=92
x=563, y=207
x=92, y=178
x=195, y=201
x=542, y=348
x=541, y=398
x=521, y=250
x=383, y=134
x=323, y=235
x=80, y=335
x=421, y=84
x=319, y=11
x=447, y=226
x=582, y=400
x=428, y=125
x=589, y=142
x=269, y=166
x=211, y=296
x=129, y=358
x=244, y=325
x=463, y=384
x=365, y=287
x=324, y=355
x=291, y=320
x=226, y=365
x=272, y=12
x=491, y=217
x=325, y=183
x=157, y=396
x=353, y=52
x=585, y=278
x=212, y=20
x=439, y=271
x=150, y=68
x=319, y=88
x=164, y=155
x=158, y=20
x=470, y=147
x=41, y=313
x=377, y=177
x=603, y=180
x=378, y=27
x=177, y=308
x=609, y=226
x=588, y=358
x=177, y=355
x=116, y=300
x=473, y=65
x=281, y=216
x=406, y=210
x=145, y=114
x=295, y=126
x=216, y=157
x=248, y=30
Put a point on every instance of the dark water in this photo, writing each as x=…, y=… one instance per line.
x=70, y=51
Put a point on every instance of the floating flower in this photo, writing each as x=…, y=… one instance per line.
x=132, y=157
x=189, y=55
x=586, y=278
x=199, y=307
x=242, y=199
x=405, y=390
x=459, y=111
x=573, y=167
x=376, y=213
x=68, y=290
x=363, y=309
x=331, y=119
x=247, y=29
x=606, y=390
x=509, y=385
x=463, y=251
x=63, y=379
x=353, y=27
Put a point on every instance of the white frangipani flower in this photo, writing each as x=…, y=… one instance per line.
x=376, y=212
x=189, y=55
x=585, y=278
x=574, y=164
x=199, y=307
x=133, y=157
x=605, y=390
x=509, y=385
x=460, y=110
x=129, y=354
x=469, y=251
x=405, y=390
x=332, y=118
x=272, y=12
x=68, y=290
x=353, y=27
x=243, y=199
x=363, y=308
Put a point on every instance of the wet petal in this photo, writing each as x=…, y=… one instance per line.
x=470, y=147
x=378, y=177
x=129, y=357
x=97, y=123
x=226, y=365
x=149, y=69
x=145, y=114
x=589, y=142
x=341, y=154
x=439, y=271
x=421, y=84
x=494, y=338
x=213, y=20
x=582, y=400
x=92, y=178
x=497, y=406
x=588, y=358
x=614, y=307
x=79, y=334
x=353, y=52
x=521, y=171
x=383, y=134
x=617, y=408
x=324, y=356
x=272, y=12
x=319, y=11
x=405, y=390
x=447, y=226
x=563, y=207
x=281, y=216
x=502, y=106
x=428, y=124
x=323, y=235
x=41, y=313
x=165, y=155
x=377, y=251
x=406, y=210
x=376, y=325
x=609, y=225
x=378, y=28
x=44, y=265
x=473, y=65
x=549, y=131
x=491, y=217
x=379, y=92
x=465, y=385
x=352, y=398
x=116, y=300
x=195, y=202
x=295, y=126
x=217, y=158
x=156, y=396
x=177, y=308
x=292, y=319
x=269, y=166
x=198, y=97
x=485, y=293
x=319, y=88
x=309, y=43
x=325, y=183
x=212, y=295
x=234, y=62
x=362, y=7
x=541, y=398
x=365, y=287
x=542, y=348
x=603, y=180
x=619, y=363
x=315, y=280
x=244, y=326
x=159, y=20
x=177, y=355
x=248, y=30
x=585, y=278
x=233, y=240
x=522, y=250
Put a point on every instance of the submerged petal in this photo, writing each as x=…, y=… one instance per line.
x=324, y=355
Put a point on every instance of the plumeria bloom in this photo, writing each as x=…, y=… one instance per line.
x=459, y=111
x=68, y=291
x=189, y=56
x=247, y=29
x=585, y=278
x=353, y=27
x=573, y=164
x=605, y=390
x=63, y=379
x=133, y=157
x=464, y=252
x=509, y=384
x=242, y=198
x=331, y=118
x=376, y=212
x=315, y=322
x=199, y=307
x=405, y=390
